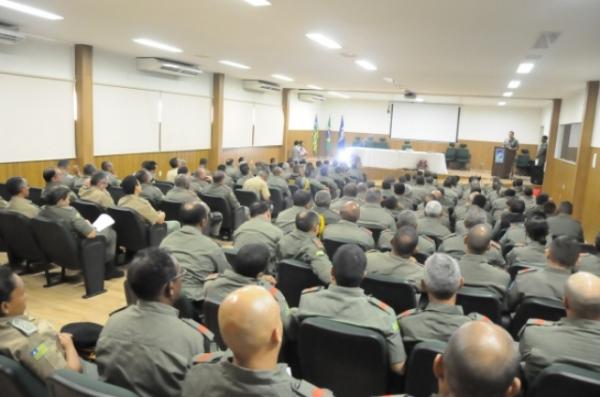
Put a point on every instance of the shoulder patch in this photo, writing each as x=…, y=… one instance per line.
x=199, y=327
x=273, y=291
x=208, y=358
x=318, y=243
x=407, y=313
x=312, y=289
x=447, y=236
x=213, y=276
x=305, y=389
x=26, y=327
x=427, y=238
x=529, y=270
x=380, y=305
x=538, y=322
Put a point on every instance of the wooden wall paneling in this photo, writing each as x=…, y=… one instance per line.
x=216, y=143
x=30, y=170
x=591, y=199
x=254, y=153
x=551, y=161
x=585, y=149
x=84, y=126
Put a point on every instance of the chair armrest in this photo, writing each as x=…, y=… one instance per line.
x=156, y=234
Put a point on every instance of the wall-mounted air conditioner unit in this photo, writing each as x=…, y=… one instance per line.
x=261, y=86
x=311, y=97
x=9, y=35
x=167, y=66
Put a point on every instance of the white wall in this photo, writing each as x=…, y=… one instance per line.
x=361, y=116
x=302, y=114
x=546, y=119
x=40, y=58
x=572, y=108
x=492, y=123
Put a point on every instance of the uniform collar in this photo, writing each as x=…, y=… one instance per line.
x=349, y=291
x=580, y=322
x=300, y=233
x=188, y=229
x=345, y=222
x=157, y=307
x=475, y=257
x=248, y=376
x=18, y=198
x=441, y=308
x=230, y=274
x=371, y=205
x=556, y=270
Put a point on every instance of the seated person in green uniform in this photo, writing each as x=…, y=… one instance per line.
x=479, y=360
x=149, y=191
x=347, y=230
x=31, y=342
x=373, y=214
x=286, y=218
x=259, y=229
x=55, y=177
x=571, y=340
x=107, y=167
x=346, y=302
x=97, y=191
x=322, y=203
x=146, y=348
x=18, y=189
x=591, y=262
x=442, y=316
x=59, y=209
x=251, y=327
x=533, y=253
x=248, y=268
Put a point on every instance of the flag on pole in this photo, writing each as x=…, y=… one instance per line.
x=328, y=137
x=315, y=136
x=341, y=139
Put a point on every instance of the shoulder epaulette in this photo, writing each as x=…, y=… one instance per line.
x=427, y=238
x=380, y=305
x=477, y=316
x=496, y=245
x=519, y=245
x=305, y=389
x=528, y=270
x=448, y=236
x=199, y=327
x=273, y=291
x=538, y=322
x=407, y=313
x=209, y=358
x=211, y=277
x=312, y=289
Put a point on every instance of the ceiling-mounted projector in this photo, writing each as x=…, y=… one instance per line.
x=409, y=95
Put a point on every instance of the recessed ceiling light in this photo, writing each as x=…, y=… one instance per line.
x=13, y=5
x=258, y=3
x=363, y=63
x=514, y=84
x=234, y=64
x=156, y=44
x=313, y=87
x=282, y=77
x=501, y=103
x=338, y=94
x=420, y=100
x=324, y=40
x=507, y=94
x=525, y=67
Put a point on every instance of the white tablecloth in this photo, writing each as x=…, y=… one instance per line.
x=394, y=159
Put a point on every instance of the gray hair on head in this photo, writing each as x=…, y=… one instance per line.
x=442, y=275
x=433, y=209
x=407, y=218
x=322, y=198
x=475, y=216
x=373, y=196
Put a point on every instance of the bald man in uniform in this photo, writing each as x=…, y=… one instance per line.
x=442, y=316
x=548, y=282
x=31, y=342
x=302, y=244
x=574, y=338
x=251, y=327
x=480, y=360
x=475, y=267
x=398, y=262
x=346, y=302
x=347, y=230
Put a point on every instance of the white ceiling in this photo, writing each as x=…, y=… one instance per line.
x=435, y=47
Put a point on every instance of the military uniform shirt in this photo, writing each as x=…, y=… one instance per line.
x=98, y=196
x=40, y=352
x=532, y=254
x=388, y=264
x=258, y=231
x=141, y=206
x=477, y=272
x=52, y=185
x=570, y=341
x=182, y=195
x=589, y=263
x=352, y=306
x=336, y=205
x=564, y=225
x=3, y=203
x=374, y=214
x=435, y=322
x=277, y=182
x=200, y=185
x=454, y=245
x=171, y=174
x=328, y=215
x=432, y=227
x=350, y=233
x=258, y=186
x=223, y=192
x=307, y=248
x=424, y=246
x=548, y=282
x=151, y=193
x=515, y=234
x=217, y=288
x=286, y=220
x=23, y=207
x=225, y=379
x=198, y=255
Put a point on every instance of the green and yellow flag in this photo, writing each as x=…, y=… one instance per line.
x=315, y=136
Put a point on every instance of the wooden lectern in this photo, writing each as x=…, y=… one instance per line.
x=502, y=162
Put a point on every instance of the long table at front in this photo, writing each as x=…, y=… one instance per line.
x=395, y=159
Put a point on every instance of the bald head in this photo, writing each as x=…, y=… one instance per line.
x=250, y=325
x=480, y=360
x=582, y=296
x=478, y=239
x=350, y=211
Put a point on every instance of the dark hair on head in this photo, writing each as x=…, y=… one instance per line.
x=143, y=176
x=192, y=213
x=251, y=260
x=62, y=163
x=129, y=183
x=229, y=162
x=149, y=165
x=517, y=182
x=597, y=242
x=536, y=228
x=57, y=194
x=516, y=206
x=324, y=170
x=528, y=191
x=542, y=199
x=405, y=241
x=390, y=202
x=48, y=174
x=104, y=165
x=549, y=208
x=240, y=159
x=7, y=284
x=219, y=177
x=480, y=201
x=221, y=167
x=350, y=189
x=399, y=188
x=476, y=189
x=183, y=170
x=150, y=272
x=349, y=264
x=302, y=198
x=89, y=169
x=259, y=208
x=174, y=162
x=307, y=220
x=447, y=182
x=98, y=177
x=14, y=185
x=510, y=193
x=564, y=251
x=244, y=169
x=203, y=161
x=420, y=180
x=565, y=207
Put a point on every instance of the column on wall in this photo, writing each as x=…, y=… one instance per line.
x=285, y=103
x=550, y=159
x=216, y=147
x=84, y=126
